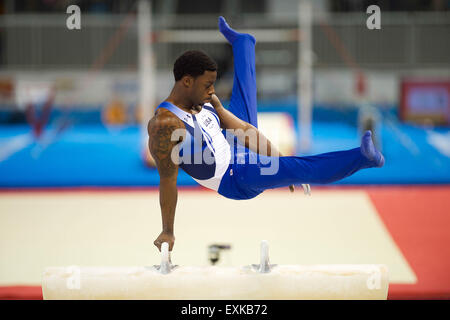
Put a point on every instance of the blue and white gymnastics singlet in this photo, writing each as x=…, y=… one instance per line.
x=204, y=153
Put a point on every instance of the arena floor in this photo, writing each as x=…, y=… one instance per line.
x=405, y=228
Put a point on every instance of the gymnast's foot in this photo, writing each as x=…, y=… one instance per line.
x=230, y=34
x=369, y=151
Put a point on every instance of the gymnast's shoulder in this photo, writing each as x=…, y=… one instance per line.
x=164, y=120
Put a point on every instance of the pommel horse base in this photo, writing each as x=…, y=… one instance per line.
x=253, y=282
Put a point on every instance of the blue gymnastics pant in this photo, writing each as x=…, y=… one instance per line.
x=250, y=174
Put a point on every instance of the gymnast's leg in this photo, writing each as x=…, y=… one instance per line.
x=321, y=169
x=243, y=103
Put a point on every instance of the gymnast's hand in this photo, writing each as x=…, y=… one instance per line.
x=215, y=101
x=165, y=237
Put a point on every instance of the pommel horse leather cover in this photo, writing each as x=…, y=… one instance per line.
x=284, y=282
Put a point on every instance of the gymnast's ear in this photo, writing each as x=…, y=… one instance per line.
x=187, y=81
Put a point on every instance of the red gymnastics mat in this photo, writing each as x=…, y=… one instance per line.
x=418, y=219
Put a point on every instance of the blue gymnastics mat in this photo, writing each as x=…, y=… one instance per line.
x=92, y=155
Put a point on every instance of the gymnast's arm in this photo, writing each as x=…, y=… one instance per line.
x=244, y=131
x=161, y=144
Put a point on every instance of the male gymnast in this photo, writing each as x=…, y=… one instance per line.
x=186, y=132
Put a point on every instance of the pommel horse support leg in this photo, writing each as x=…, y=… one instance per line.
x=252, y=282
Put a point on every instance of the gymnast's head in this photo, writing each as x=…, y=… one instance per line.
x=195, y=73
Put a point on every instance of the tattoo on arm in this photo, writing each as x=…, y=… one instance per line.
x=161, y=145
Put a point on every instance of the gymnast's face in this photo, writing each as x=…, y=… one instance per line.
x=203, y=88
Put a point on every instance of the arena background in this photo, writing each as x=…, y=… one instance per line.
x=76, y=187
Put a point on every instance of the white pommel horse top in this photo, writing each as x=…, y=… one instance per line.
x=253, y=282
